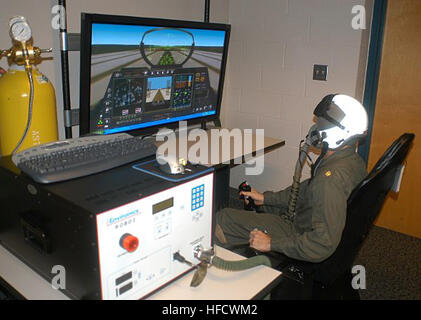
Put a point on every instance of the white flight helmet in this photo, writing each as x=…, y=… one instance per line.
x=340, y=120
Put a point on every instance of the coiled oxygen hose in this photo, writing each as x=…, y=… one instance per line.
x=241, y=264
x=208, y=258
x=311, y=139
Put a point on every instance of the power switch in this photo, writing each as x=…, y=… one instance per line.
x=129, y=242
x=320, y=72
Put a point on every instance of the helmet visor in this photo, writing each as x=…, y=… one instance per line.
x=328, y=114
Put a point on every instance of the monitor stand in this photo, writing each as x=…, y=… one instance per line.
x=216, y=122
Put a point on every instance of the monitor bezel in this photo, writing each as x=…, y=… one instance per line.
x=87, y=19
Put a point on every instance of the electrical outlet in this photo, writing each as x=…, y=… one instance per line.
x=320, y=72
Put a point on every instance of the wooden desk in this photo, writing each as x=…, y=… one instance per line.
x=222, y=165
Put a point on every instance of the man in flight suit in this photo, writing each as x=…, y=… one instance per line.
x=315, y=232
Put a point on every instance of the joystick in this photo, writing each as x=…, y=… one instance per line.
x=246, y=187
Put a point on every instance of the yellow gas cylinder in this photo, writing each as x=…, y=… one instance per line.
x=14, y=108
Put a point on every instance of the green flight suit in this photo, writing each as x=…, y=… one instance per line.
x=320, y=213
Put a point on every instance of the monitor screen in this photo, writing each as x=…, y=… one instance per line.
x=139, y=74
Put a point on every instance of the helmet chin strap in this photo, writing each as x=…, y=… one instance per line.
x=316, y=165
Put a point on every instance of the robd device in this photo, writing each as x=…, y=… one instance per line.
x=115, y=233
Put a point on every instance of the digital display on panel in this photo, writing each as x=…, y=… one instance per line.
x=163, y=205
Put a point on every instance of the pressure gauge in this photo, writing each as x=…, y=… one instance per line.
x=20, y=29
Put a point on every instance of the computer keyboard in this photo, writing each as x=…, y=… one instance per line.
x=78, y=157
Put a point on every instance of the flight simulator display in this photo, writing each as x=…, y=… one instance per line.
x=144, y=76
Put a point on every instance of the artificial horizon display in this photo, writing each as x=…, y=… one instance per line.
x=143, y=76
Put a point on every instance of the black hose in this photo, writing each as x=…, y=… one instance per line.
x=30, y=107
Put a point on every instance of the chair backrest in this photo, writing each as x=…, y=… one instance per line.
x=364, y=205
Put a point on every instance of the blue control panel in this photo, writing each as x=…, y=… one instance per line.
x=198, y=197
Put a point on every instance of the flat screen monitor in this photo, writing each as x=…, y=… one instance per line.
x=140, y=74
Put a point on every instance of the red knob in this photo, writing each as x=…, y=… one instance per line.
x=129, y=242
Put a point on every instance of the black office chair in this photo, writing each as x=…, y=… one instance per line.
x=331, y=279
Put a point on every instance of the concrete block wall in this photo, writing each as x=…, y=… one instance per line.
x=274, y=45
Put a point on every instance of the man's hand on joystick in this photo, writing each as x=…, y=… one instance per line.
x=249, y=203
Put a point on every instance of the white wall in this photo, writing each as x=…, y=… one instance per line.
x=273, y=47
x=38, y=13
